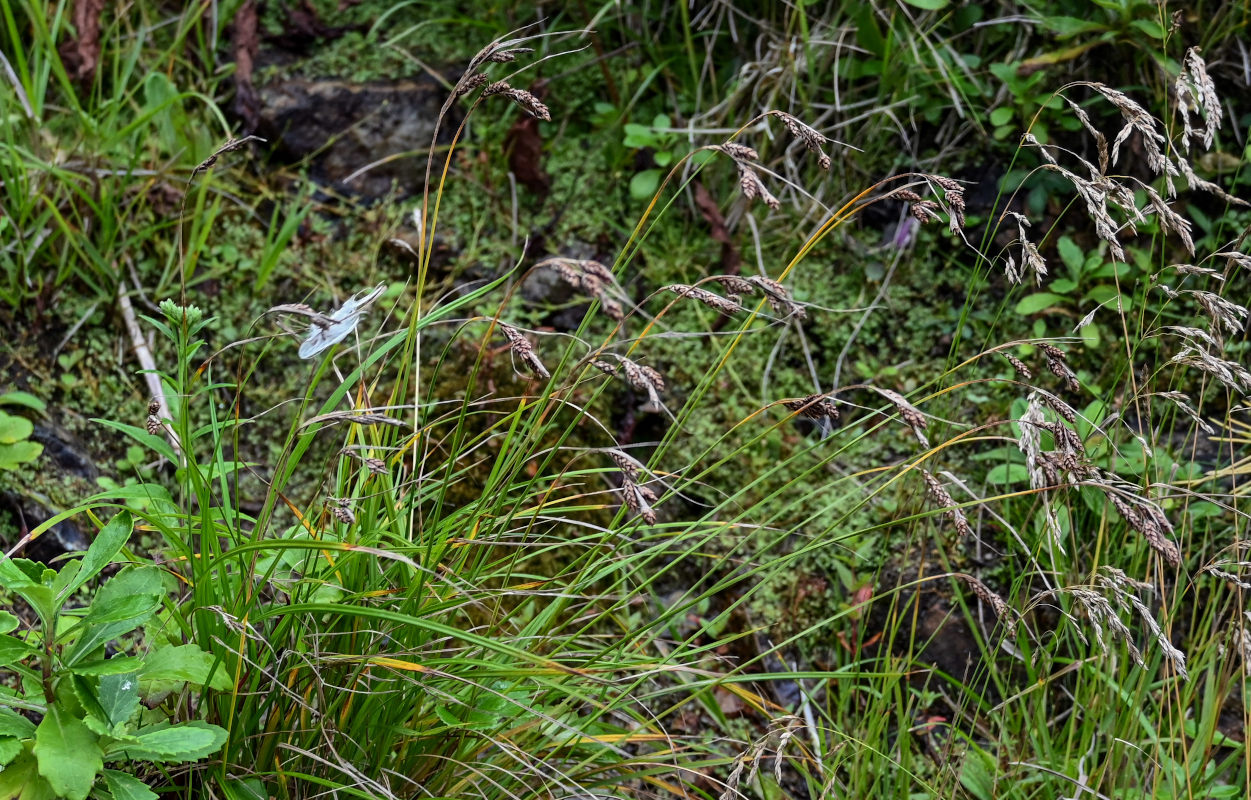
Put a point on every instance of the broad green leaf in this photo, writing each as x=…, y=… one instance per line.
x=14, y=429
x=644, y=184
x=1033, y=303
x=108, y=543
x=1105, y=295
x=144, y=580
x=928, y=5
x=1071, y=254
x=119, y=697
x=1064, y=27
x=187, y=663
x=1001, y=116
x=1149, y=27
x=23, y=399
x=14, y=455
x=189, y=741
x=9, y=749
x=977, y=773
x=95, y=637
x=68, y=753
x=1008, y=474
x=18, y=572
x=41, y=598
x=21, y=779
x=127, y=607
x=127, y=787
x=84, y=691
x=117, y=665
x=14, y=724
x=13, y=650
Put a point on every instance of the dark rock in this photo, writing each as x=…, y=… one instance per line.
x=343, y=126
x=64, y=453
x=63, y=458
x=26, y=514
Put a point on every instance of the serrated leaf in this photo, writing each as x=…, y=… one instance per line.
x=68, y=753
x=14, y=724
x=1033, y=303
x=189, y=741
x=107, y=544
x=127, y=787
x=184, y=663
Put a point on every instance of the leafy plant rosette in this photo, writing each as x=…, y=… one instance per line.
x=76, y=704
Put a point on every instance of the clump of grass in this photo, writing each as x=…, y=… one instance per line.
x=428, y=598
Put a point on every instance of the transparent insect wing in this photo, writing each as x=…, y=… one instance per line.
x=344, y=319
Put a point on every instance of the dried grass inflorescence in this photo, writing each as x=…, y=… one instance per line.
x=713, y=301
x=923, y=210
x=1017, y=364
x=638, y=497
x=781, y=731
x=1031, y=259
x=230, y=146
x=153, y=424
x=815, y=407
x=1112, y=594
x=1057, y=364
x=1149, y=520
x=591, y=278
x=910, y=414
x=1229, y=374
x=780, y=299
x=523, y=349
x=812, y=138
x=1195, y=89
x=341, y=509
x=749, y=182
x=641, y=377
x=998, y=605
x=1182, y=403
x=528, y=102
x=942, y=498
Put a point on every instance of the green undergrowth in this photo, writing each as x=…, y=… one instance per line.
x=538, y=526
